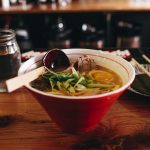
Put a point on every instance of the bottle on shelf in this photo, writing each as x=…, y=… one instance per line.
x=40, y=2
x=52, y=1
x=22, y=2
x=5, y=21
x=22, y=34
x=59, y=34
x=128, y=35
x=37, y=2
x=5, y=4
x=64, y=2
x=91, y=37
x=13, y=2
x=18, y=2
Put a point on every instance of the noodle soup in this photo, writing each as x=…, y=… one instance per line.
x=72, y=82
x=82, y=113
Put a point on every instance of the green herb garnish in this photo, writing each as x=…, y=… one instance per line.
x=71, y=82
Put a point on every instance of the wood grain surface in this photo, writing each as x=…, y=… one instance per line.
x=76, y=6
x=24, y=125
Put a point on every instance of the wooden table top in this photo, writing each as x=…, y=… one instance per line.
x=24, y=125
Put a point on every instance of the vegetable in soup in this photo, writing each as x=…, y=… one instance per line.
x=74, y=83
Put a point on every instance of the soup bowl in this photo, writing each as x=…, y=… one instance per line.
x=81, y=113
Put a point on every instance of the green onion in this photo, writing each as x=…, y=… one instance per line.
x=98, y=85
x=71, y=82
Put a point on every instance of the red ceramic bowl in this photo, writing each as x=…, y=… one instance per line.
x=76, y=114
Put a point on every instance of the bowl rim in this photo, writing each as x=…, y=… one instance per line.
x=121, y=89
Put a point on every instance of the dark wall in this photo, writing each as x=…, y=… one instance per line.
x=39, y=25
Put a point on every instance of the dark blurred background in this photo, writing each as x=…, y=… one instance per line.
x=86, y=29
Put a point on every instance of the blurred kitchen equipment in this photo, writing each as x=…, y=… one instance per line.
x=64, y=2
x=13, y=2
x=52, y=1
x=90, y=37
x=128, y=35
x=22, y=34
x=10, y=57
x=59, y=34
x=5, y=4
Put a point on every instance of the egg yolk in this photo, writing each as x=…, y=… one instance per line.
x=101, y=76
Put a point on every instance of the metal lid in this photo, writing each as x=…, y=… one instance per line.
x=6, y=35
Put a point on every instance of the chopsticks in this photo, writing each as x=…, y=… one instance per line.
x=135, y=63
x=139, y=57
x=134, y=55
x=144, y=56
x=17, y=82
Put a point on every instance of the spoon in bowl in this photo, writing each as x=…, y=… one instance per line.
x=56, y=60
x=53, y=60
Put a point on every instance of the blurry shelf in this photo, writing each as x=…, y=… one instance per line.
x=75, y=7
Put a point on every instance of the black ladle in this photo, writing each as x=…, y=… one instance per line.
x=56, y=60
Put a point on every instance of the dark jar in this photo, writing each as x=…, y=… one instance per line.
x=10, y=56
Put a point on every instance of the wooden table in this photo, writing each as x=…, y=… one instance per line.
x=24, y=125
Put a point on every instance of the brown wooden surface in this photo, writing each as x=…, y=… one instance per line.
x=75, y=6
x=24, y=125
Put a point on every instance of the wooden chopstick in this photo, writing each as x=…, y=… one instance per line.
x=17, y=82
x=146, y=58
x=134, y=62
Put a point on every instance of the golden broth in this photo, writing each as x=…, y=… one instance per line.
x=97, y=81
